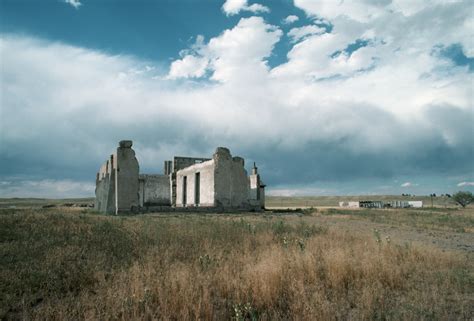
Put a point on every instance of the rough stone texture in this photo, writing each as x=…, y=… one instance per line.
x=126, y=181
x=231, y=182
x=105, y=187
x=154, y=190
x=223, y=183
x=180, y=162
x=125, y=144
x=117, y=181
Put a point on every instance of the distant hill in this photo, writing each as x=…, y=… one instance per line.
x=40, y=202
x=271, y=201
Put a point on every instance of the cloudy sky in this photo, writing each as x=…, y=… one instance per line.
x=328, y=97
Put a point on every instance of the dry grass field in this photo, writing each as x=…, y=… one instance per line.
x=319, y=264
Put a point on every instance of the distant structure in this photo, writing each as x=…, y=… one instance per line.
x=219, y=183
x=382, y=204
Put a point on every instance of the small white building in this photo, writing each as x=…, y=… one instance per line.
x=349, y=204
x=381, y=204
x=416, y=204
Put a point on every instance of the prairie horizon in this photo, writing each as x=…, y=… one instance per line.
x=185, y=160
x=271, y=200
x=328, y=98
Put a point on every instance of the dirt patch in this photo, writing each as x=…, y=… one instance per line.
x=446, y=240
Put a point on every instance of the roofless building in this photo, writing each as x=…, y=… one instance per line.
x=217, y=183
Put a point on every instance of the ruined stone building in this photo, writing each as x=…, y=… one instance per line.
x=220, y=182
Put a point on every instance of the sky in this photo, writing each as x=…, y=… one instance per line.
x=327, y=97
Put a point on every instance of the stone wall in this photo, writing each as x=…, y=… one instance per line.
x=220, y=182
x=154, y=190
x=223, y=183
x=180, y=162
x=206, y=185
x=126, y=182
x=105, y=187
x=117, y=181
x=231, y=182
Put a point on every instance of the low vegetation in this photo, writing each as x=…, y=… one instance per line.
x=446, y=219
x=463, y=198
x=61, y=264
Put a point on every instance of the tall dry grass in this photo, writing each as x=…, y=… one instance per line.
x=184, y=267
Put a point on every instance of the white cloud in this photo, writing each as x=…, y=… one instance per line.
x=233, y=7
x=367, y=10
x=297, y=34
x=234, y=55
x=189, y=66
x=466, y=184
x=75, y=3
x=290, y=19
x=407, y=184
x=356, y=9
x=401, y=23
x=392, y=100
x=398, y=56
x=256, y=8
x=299, y=191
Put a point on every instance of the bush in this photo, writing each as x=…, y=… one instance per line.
x=463, y=198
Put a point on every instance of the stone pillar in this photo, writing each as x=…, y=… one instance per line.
x=126, y=178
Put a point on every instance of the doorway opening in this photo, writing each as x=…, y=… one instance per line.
x=185, y=187
x=197, y=188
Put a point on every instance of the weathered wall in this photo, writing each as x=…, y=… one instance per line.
x=168, y=167
x=180, y=162
x=223, y=183
x=117, y=181
x=126, y=183
x=230, y=181
x=240, y=183
x=262, y=196
x=154, y=190
x=206, y=186
x=105, y=187
x=100, y=193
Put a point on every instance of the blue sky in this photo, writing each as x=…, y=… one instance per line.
x=360, y=97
